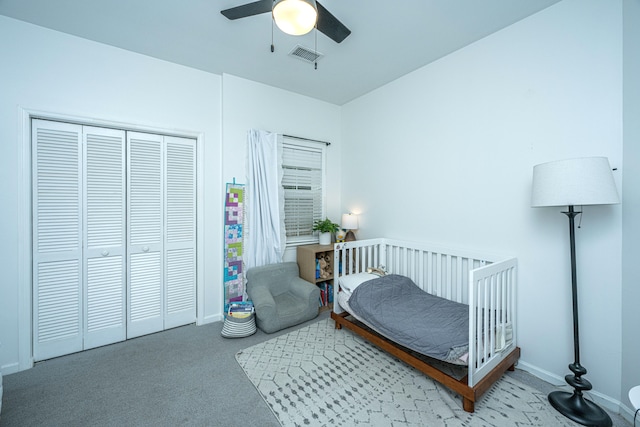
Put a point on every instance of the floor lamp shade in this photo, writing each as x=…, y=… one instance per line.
x=574, y=182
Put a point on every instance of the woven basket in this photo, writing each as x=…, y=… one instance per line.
x=235, y=327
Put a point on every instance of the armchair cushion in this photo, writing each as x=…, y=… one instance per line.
x=281, y=298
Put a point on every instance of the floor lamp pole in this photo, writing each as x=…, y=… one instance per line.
x=574, y=405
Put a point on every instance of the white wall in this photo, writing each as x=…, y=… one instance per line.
x=250, y=105
x=56, y=73
x=631, y=197
x=453, y=145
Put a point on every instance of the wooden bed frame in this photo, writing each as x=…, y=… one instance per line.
x=487, y=284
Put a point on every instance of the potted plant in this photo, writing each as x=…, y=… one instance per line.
x=326, y=228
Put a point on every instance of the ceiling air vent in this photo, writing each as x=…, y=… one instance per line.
x=306, y=54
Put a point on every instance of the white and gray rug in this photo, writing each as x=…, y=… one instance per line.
x=320, y=376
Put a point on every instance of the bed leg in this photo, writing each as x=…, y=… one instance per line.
x=337, y=318
x=512, y=368
x=468, y=405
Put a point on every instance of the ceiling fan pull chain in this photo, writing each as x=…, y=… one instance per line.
x=272, y=47
x=315, y=61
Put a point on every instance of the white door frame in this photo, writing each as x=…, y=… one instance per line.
x=25, y=233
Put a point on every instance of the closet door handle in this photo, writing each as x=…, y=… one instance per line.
x=145, y=249
x=105, y=253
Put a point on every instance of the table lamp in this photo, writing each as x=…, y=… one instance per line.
x=350, y=223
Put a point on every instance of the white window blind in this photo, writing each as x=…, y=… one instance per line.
x=303, y=180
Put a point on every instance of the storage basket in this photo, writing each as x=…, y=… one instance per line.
x=238, y=327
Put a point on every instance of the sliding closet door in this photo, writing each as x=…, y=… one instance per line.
x=57, y=239
x=145, y=232
x=180, y=237
x=104, y=236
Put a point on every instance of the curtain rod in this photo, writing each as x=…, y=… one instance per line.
x=307, y=139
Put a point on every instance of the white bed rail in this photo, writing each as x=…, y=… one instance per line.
x=492, y=308
x=487, y=283
x=355, y=257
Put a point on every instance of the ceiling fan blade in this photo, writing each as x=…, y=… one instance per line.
x=249, y=9
x=330, y=25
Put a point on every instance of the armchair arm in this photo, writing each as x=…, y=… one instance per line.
x=262, y=301
x=304, y=290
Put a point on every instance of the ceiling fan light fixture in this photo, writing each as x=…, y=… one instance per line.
x=295, y=17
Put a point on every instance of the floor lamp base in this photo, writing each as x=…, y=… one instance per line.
x=575, y=407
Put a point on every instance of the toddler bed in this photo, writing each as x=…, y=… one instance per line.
x=431, y=305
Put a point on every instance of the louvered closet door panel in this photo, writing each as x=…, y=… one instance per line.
x=57, y=239
x=180, y=236
x=145, y=189
x=104, y=218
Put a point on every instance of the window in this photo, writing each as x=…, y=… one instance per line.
x=303, y=165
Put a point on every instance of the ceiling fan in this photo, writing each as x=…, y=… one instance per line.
x=326, y=23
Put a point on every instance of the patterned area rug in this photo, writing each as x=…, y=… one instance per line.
x=320, y=376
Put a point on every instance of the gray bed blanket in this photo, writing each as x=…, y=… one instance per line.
x=397, y=308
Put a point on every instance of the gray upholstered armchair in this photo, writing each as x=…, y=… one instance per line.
x=281, y=298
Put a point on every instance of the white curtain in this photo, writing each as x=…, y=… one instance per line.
x=265, y=238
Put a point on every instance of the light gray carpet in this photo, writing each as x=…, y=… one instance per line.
x=186, y=376
x=320, y=376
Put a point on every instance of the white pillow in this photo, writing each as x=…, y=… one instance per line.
x=351, y=281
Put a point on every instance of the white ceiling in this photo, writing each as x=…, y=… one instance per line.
x=389, y=38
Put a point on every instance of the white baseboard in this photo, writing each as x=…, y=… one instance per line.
x=541, y=373
x=210, y=319
x=10, y=368
x=603, y=400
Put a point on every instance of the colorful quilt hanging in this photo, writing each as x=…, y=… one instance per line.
x=233, y=222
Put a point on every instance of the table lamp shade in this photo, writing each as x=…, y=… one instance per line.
x=349, y=221
x=574, y=182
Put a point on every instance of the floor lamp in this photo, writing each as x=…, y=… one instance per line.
x=575, y=182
